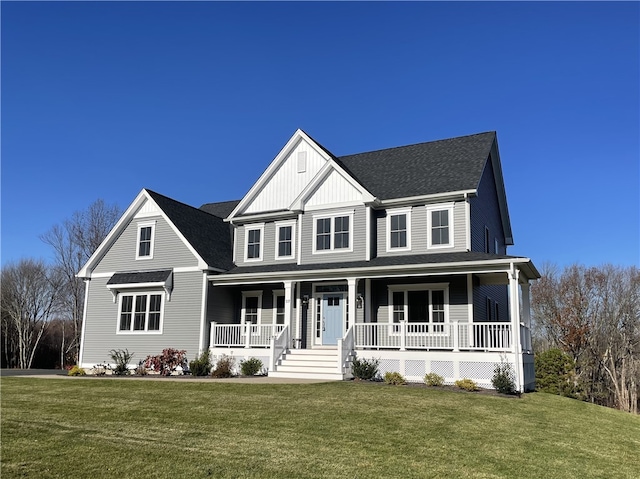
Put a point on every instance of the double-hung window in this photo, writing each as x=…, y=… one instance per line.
x=146, y=233
x=140, y=312
x=399, y=230
x=285, y=240
x=440, y=226
x=252, y=310
x=333, y=233
x=253, y=242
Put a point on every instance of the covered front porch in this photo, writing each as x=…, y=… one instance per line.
x=415, y=322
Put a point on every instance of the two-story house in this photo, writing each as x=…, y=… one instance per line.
x=397, y=254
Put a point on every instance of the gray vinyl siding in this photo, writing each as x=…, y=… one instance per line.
x=498, y=293
x=458, y=299
x=485, y=211
x=268, y=245
x=358, y=239
x=169, y=251
x=419, y=232
x=180, y=324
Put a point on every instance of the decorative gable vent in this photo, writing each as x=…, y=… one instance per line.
x=302, y=161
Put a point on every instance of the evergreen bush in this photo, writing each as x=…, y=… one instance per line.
x=394, y=379
x=201, y=365
x=250, y=367
x=433, y=379
x=365, y=369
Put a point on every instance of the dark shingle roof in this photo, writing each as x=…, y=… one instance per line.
x=435, y=167
x=401, y=260
x=140, y=277
x=221, y=209
x=208, y=234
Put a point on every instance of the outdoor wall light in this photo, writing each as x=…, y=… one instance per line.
x=359, y=301
x=305, y=300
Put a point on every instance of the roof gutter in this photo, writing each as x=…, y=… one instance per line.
x=453, y=195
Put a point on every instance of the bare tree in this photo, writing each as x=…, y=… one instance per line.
x=593, y=314
x=73, y=242
x=28, y=292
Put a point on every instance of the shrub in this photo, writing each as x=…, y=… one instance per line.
x=554, y=372
x=250, y=367
x=201, y=365
x=365, y=369
x=433, y=379
x=503, y=379
x=167, y=362
x=224, y=367
x=467, y=384
x=394, y=379
x=121, y=359
x=76, y=371
x=141, y=370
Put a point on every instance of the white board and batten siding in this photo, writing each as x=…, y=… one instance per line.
x=419, y=232
x=289, y=180
x=180, y=322
x=169, y=251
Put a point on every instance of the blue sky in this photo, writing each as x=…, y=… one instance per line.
x=193, y=100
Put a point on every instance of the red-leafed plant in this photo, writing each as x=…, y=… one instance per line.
x=167, y=362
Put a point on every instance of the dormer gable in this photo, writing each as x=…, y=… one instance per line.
x=302, y=173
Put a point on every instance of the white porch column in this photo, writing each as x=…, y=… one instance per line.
x=514, y=303
x=288, y=303
x=352, y=282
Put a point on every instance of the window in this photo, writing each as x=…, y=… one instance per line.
x=492, y=310
x=440, y=226
x=279, y=309
x=487, y=240
x=145, y=240
x=251, y=307
x=399, y=229
x=253, y=241
x=285, y=240
x=333, y=233
x=420, y=303
x=140, y=312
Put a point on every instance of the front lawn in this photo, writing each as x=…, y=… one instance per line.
x=103, y=428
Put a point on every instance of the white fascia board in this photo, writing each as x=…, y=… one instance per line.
x=431, y=269
x=437, y=197
x=275, y=215
x=127, y=216
x=298, y=136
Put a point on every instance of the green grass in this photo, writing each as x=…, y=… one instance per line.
x=99, y=428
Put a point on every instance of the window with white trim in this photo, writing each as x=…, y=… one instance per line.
x=278, y=307
x=399, y=230
x=420, y=303
x=285, y=240
x=251, y=307
x=333, y=233
x=253, y=242
x=145, y=242
x=140, y=312
x=440, y=226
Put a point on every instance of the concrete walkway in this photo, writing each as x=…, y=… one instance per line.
x=59, y=374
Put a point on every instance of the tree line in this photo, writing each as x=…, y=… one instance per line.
x=42, y=303
x=587, y=333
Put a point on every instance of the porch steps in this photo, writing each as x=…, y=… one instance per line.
x=309, y=364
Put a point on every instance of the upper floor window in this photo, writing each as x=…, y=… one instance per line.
x=399, y=230
x=253, y=235
x=140, y=312
x=146, y=233
x=333, y=233
x=440, y=226
x=285, y=240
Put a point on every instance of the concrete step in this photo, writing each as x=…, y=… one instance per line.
x=308, y=361
x=307, y=369
x=306, y=375
x=313, y=352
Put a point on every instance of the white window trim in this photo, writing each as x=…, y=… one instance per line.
x=280, y=224
x=133, y=309
x=141, y=225
x=276, y=294
x=405, y=288
x=441, y=207
x=395, y=212
x=333, y=216
x=247, y=228
x=251, y=294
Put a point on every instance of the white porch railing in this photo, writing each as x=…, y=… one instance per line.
x=243, y=335
x=346, y=346
x=279, y=345
x=450, y=336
